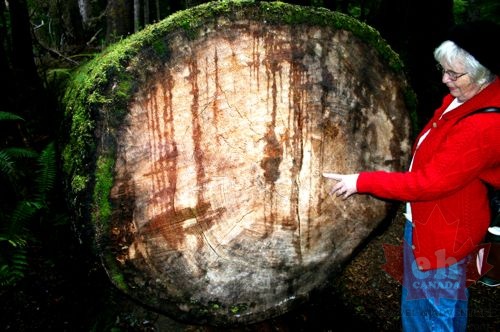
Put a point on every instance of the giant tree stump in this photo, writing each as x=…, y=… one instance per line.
x=197, y=147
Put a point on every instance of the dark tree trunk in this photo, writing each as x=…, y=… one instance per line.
x=7, y=92
x=72, y=25
x=28, y=97
x=120, y=19
x=22, y=47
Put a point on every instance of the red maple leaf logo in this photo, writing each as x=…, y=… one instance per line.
x=393, y=261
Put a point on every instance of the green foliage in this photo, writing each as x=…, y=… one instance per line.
x=46, y=173
x=467, y=10
x=9, y=158
x=9, y=116
x=56, y=79
x=26, y=196
x=13, y=259
x=459, y=9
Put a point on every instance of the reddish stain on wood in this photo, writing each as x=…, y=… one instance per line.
x=218, y=191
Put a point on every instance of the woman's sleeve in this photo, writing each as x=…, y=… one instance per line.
x=468, y=150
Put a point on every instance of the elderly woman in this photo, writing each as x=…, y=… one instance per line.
x=447, y=210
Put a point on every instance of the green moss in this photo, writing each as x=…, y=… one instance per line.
x=238, y=308
x=115, y=275
x=279, y=12
x=100, y=88
x=161, y=49
x=215, y=305
x=103, y=185
x=79, y=182
x=119, y=281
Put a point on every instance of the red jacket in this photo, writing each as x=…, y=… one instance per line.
x=448, y=198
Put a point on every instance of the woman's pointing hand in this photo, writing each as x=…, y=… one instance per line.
x=346, y=185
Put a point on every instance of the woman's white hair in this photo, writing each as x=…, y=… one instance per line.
x=449, y=52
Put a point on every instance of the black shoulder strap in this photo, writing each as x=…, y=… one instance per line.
x=485, y=110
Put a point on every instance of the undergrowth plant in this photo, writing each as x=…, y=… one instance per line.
x=26, y=179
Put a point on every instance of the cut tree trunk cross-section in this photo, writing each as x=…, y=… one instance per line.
x=216, y=208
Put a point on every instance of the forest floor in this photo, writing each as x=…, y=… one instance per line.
x=64, y=292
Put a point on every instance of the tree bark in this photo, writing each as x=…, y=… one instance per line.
x=22, y=50
x=147, y=18
x=120, y=19
x=27, y=97
x=137, y=15
x=5, y=60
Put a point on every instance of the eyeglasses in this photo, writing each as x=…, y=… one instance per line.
x=451, y=74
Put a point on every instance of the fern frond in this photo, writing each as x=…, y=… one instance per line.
x=46, y=173
x=21, y=215
x=8, y=162
x=13, y=264
x=8, y=157
x=7, y=165
x=14, y=240
x=10, y=116
x=19, y=153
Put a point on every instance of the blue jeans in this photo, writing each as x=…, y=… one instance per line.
x=434, y=300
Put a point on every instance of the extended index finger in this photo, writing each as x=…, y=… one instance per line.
x=334, y=176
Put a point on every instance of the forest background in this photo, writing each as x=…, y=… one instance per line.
x=49, y=278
